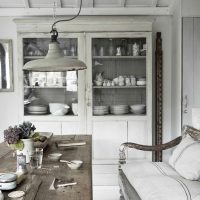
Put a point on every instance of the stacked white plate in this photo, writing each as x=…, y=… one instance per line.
x=119, y=109
x=37, y=109
x=100, y=110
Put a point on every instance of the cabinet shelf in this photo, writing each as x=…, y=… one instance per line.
x=118, y=87
x=40, y=57
x=51, y=118
x=45, y=87
x=119, y=117
x=119, y=57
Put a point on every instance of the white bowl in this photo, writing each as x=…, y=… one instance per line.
x=58, y=109
x=138, y=108
x=54, y=156
x=75, y=164
x=140, y=83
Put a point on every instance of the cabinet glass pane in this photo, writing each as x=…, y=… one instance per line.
x=43, y=88
x=119, y=75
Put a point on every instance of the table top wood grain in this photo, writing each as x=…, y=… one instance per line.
x=37, y=184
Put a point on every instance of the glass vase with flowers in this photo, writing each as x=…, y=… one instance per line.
x=19, y=138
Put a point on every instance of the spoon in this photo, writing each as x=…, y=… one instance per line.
x=67, y=161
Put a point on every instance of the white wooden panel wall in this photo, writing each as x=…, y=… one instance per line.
x=191, y=68
x=188, y=66
x=196, y=83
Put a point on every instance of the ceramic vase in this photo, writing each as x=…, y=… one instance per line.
x=27, y=150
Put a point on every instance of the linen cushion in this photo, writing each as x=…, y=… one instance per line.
x=159, y=181
x=188, y=140
x=186, y=160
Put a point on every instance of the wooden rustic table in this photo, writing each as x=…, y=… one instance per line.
x=38, y=182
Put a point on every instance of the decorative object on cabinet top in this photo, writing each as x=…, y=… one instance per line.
x=55, y=60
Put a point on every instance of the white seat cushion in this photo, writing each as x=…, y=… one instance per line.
x=159, y=181
x=146, y=168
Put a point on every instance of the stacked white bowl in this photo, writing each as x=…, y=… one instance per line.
x=100, y=110
x=138, y=109
x=119, y=109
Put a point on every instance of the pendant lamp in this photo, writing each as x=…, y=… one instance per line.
x=55, y=61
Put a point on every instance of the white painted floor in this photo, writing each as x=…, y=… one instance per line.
x=106, y=193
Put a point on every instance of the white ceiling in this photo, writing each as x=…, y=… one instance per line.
x=90, y=7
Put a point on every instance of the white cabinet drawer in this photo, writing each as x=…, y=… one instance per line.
x=137, y=133
x=70, y=128
x=105, y=175
x=54, y=127
x=107, y=137
x=106, y=193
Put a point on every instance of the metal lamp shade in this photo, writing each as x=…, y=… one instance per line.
x=54, y=61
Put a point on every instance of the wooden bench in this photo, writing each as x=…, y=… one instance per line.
x=132, y=176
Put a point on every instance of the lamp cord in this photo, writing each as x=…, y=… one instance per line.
x=65, y=20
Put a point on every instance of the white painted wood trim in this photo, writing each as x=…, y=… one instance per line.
x=86, y=24
x=58, y=4
x=149, y=91
x=81, y=85
x=51, y=118
x=120, y=117
x=154, y=3
x=26, y=3
x=8, y=12
x=122, y=3
x=20, y=79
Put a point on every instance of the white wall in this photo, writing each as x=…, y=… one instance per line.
x=9, y=100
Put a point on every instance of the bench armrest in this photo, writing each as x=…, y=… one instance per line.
x=161, y=147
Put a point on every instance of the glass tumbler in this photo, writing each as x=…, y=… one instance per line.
x=36, y=158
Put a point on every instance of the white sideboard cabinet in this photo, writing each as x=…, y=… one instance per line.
x=118, y=54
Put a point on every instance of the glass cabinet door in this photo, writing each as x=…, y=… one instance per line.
x=119, y=76
x=53, y=93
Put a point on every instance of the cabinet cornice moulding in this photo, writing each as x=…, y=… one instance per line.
x=86, y=24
